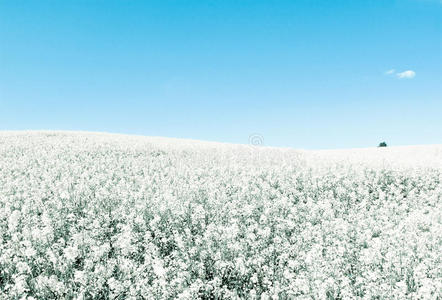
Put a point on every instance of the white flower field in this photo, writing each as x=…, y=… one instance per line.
x=108, y=216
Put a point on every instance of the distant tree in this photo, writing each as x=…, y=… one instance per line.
x=383, y=144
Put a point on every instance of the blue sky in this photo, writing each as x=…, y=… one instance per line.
x=303, y=74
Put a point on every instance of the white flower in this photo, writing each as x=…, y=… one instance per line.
x=14, y=220
x=22, y=267
x=64, y=195
x=159, y=269
x=30, y=252
x=79, y=276
x=20, y=284
x=71, y=253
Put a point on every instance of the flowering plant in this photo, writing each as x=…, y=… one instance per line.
x=92, y=216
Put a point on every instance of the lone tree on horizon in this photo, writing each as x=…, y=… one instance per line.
x=382, y=144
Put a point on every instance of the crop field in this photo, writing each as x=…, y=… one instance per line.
x=108, y=216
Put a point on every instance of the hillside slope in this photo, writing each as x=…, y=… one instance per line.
x=95, y=215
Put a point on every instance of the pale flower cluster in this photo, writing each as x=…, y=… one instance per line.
x=101, y=216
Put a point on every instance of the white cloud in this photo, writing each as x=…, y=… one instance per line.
x=389, y=72
x=406, y=74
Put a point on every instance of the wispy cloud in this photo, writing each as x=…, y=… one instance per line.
x=401, y=75
x=406, y=74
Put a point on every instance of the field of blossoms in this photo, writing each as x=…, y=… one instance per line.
x=107, y=216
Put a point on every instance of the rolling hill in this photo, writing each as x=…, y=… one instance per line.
x=107, y=216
